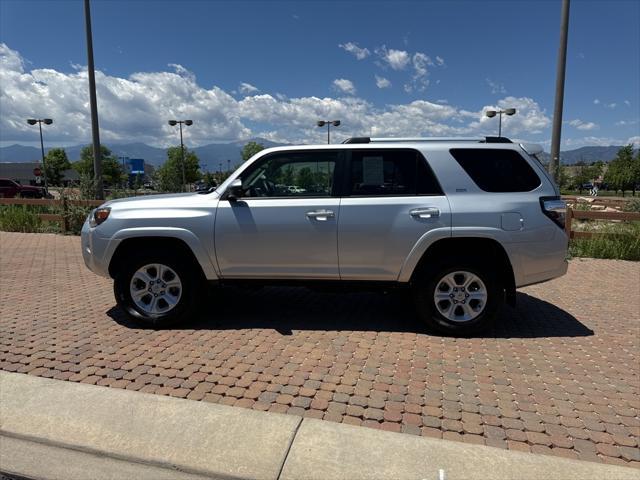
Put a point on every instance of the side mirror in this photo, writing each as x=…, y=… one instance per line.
x=234, y=192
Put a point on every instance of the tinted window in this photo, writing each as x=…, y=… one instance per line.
x=391, y=173
x=291, y=174
x=6, y=183
x=495, y=170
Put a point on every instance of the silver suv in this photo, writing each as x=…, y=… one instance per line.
x=461, y=222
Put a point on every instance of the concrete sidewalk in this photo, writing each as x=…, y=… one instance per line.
x=52, y=429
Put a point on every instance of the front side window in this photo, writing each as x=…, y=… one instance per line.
x=291, y=174
x=392, y=172
x=497, y=170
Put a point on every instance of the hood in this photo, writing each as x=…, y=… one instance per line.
x=171, y=200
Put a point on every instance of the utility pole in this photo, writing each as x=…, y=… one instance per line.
x=97, y=153
x=554, y=164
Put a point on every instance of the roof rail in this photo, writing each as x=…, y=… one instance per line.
x=427, y=139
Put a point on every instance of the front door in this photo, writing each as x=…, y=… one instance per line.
x=285, y=223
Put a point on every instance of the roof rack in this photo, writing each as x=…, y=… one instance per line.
x=427, y=139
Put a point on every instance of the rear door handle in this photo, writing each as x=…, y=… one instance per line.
x=320, y=215
x=427, y=212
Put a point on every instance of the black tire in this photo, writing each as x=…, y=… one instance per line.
x=427, y=281
x=191, y=289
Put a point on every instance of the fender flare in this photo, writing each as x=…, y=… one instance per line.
x=189, y=238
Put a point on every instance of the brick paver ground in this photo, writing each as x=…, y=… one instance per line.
x=559, y=375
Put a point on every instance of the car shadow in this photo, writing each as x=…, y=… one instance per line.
x=287, y=309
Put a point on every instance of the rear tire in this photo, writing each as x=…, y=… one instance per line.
x=459, y=297
x=157, y=290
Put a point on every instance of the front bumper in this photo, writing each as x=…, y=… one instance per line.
x=96, y=250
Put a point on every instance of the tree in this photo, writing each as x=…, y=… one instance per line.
x=56, y=162
x=584, y=174
x=624, y=171
x=169, y=175
x=112, y=172
x=250, y=149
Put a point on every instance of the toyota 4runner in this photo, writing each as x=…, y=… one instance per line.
x=461, y=222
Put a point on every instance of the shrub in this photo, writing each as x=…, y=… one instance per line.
x=621, y=242
x=632, y=205
x=18, y=218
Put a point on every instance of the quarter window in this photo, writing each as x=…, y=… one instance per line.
x=396, y=172
x=291, y=174
x=497, y=170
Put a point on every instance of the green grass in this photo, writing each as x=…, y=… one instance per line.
x=18, y=218
x=622, y=242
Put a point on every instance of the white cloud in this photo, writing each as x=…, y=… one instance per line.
x=496, y=88
x=247, y=88
x=596, y=101
x=635, y=141
x=439, y=61
x=627, y=103
x=611, y=106
x=345, y=86
x=136, y=108
x=396, y=59
x=580, y=125
x=624, y=123
x=355, y=50
x=382, y=82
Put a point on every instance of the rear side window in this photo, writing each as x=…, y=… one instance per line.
x=496, y=170
x=396, y=172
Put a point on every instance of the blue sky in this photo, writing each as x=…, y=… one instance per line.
x=243, y=69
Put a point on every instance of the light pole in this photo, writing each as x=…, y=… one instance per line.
x=554, y=163
x=93, y=102
x=506, y=111
x=328, y=123
x=40, y=121
x=173, y=123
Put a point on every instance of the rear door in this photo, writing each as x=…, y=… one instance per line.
x=391, y=199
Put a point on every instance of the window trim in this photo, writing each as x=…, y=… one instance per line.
x=347, y=184
x=257, y=163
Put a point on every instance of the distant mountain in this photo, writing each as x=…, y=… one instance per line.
x=211, y=156
x=215, y=155
x=585, y=154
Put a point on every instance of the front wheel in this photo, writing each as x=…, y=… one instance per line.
x=156, y=290
x=458, y=299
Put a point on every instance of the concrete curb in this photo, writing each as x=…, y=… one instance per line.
x=51, y=429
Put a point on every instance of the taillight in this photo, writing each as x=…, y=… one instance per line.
x=555, y=209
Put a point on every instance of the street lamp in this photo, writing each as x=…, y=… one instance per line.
x=328, y=123
x=506, y=111
x=46, y=121
x=173, y=123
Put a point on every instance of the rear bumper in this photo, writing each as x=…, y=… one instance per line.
x=540, y=261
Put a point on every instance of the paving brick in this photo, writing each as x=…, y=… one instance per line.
x=386, y=378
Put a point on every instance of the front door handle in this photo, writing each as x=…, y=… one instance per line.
x=428, y=212
x=320, y=215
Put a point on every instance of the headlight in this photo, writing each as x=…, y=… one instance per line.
x=99, y=215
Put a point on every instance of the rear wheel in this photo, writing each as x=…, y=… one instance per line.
x=157, y=290
x=458, y=298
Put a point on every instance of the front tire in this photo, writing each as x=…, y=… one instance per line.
x=458, y=298
x=156, y=290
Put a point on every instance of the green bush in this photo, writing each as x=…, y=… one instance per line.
x=18, y=218
x=621, y=242
x=632, y=205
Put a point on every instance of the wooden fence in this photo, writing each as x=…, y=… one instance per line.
x=570, y=216
x=594, y=215
x=45, y=202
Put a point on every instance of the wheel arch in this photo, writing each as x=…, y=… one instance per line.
x=487, y=248
x=129, y=246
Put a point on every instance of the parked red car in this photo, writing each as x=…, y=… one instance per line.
x=11, y=189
